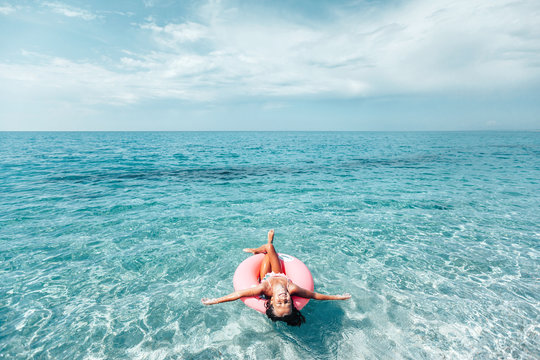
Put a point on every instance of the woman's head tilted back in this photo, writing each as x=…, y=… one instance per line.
x=292, y=316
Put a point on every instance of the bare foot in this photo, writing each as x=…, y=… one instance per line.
x=271, y=236
x=260, y=250
x=263, y=248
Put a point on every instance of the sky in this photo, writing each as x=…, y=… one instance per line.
x=270, y=65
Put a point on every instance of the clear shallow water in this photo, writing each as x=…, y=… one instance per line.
x=109, y=240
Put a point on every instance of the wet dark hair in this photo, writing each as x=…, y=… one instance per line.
x=295, y=318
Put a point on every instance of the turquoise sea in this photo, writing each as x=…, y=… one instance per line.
x=108, y=241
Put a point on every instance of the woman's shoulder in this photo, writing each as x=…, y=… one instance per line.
x=292, y=287
x=266, y=288
x=265, y=285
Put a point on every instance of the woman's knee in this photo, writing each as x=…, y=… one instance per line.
x=269, y=248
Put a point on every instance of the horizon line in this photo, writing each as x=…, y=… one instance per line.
x=313, y=131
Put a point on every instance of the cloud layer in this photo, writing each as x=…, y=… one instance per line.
x=70, y=11
x=223, y=52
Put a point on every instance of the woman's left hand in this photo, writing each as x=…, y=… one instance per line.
x=207, y=301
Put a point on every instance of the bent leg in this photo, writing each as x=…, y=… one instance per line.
x=271, y=260
x=265, y=267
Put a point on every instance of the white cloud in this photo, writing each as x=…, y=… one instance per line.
x=6, y=9
x=173, y=34
x=148, y=3
x=119, y=13
x=70, y=11
x=83, y=82
x=421, y=47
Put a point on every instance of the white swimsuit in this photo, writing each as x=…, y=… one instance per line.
x=273, y=274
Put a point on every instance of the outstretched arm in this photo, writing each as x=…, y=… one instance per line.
x=255, y=291
x=298, y=291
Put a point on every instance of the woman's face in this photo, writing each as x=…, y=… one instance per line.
x=282, y=304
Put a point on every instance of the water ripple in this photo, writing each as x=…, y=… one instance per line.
x=109, y=240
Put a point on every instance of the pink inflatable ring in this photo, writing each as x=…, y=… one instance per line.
x=247, y=276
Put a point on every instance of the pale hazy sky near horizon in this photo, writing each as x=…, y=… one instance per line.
x=270, y=65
